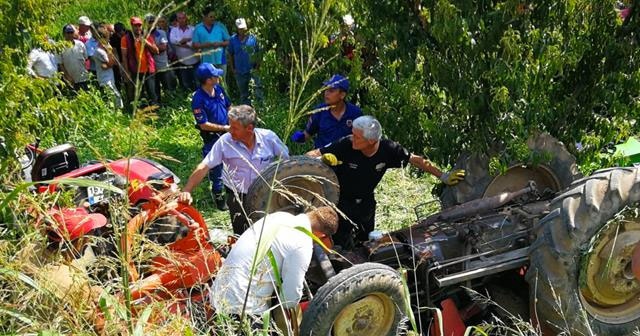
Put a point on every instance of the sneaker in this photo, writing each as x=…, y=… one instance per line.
x=221, y=203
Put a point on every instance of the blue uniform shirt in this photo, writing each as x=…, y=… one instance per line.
x=327, y=128
x=243, y=53
x=217, y=33
x=211, y=109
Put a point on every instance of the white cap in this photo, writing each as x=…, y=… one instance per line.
x=348, y=20
x=83, y=20
x=241, y=23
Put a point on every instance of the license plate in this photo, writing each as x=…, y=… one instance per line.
x=94, y=195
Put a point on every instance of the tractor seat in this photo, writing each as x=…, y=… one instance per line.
x=55, y=161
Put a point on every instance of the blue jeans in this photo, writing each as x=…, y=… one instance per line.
x=215, y=173
x=243, y=81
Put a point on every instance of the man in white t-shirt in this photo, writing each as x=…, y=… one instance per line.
x=292, y=250
x=104, y=61
x=42, y=64
x=72, y=60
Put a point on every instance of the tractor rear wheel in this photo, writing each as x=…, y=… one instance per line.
x=581, y=277
x=556, y=174
x=292, y=185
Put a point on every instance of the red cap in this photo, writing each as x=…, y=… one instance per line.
x=135, y=20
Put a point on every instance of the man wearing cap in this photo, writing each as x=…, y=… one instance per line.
x=72, y=60
x=360, y=160
x=84, y=29
x=245, y=151
x=85, y=35
x=244, y=61
x=137, y=53
x=180, y=37
x=165, y=75
x=210, y=37
x=331, y=120
x=210, y=105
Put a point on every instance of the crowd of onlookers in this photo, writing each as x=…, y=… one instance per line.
x=161, y=54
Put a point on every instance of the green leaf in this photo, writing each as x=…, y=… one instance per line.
x=142, y=321
x=24, y=319
x=21, y=276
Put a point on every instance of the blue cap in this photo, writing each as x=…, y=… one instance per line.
x=207, y=70
x=338, y=81
x=68, y=28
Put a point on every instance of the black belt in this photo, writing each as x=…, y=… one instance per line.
x=208, y=136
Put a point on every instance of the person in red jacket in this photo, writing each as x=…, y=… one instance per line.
x=137, y=54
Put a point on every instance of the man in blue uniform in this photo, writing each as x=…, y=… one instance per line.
x=210, y=106
x=333, y=119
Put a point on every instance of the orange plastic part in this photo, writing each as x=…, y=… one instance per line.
x=452, y=323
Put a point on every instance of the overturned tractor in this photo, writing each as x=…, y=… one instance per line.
x=542, y=242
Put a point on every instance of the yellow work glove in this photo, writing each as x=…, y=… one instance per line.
x=453, y=177
x=330, y=160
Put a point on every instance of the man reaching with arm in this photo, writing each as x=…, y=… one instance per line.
x=360, y=160
x=245, y=151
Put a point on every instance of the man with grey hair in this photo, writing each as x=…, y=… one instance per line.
x=360, y=160
x=245, y=151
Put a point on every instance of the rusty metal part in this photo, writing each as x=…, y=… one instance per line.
x=479, y=205
x=635, y=262
x=609, y=286
x=371, y=315
x=518, y=176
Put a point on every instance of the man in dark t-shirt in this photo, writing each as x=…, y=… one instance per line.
x=360, y=160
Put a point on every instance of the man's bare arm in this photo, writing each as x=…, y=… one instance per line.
x=425, y=165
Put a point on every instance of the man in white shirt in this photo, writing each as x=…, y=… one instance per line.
x=72, y=60
x=42, y=64
x=187, y=60
x=245, y=151
x=292, y=250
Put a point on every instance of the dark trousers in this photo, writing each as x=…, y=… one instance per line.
x=150, y=89
x=243, y=81
x=361, y=211
x=148, y=82
x=215, y=173
x=187, y=76
x=81, y=86
x=239, y=221
x=167, y=79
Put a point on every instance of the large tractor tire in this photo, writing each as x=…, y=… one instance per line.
x=364, y=300
x=556, y=174
x=293, y=185
x=581, y=278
